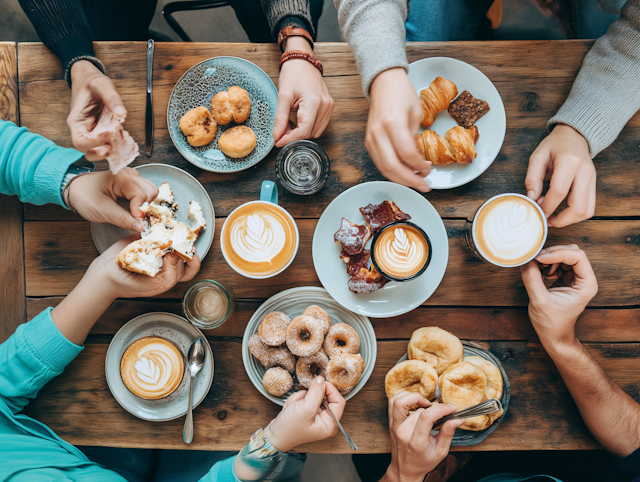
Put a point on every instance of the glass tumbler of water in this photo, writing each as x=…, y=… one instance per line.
x=302, y=167
x=208, y=304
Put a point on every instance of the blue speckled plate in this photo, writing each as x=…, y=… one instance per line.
x=197, y=87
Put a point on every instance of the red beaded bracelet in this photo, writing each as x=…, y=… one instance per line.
x=300, y=54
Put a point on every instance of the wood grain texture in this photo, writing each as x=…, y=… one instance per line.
x=9, y=82
x=55, y=262
x=532, y=90
x=233, y=408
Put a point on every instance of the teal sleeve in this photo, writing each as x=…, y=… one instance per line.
x=30, y=358
x=221, y=472
x=31, y=166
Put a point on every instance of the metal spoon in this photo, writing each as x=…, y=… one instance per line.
x=349, y=440
x=483, y=408
x=195, y=362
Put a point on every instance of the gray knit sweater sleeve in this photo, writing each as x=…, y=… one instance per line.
x=278, y=10
x=606, y=93
x=375, y=32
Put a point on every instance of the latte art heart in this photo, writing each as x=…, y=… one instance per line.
x=401, y=252
x=258, y=237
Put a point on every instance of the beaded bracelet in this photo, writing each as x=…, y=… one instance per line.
x=300, y=54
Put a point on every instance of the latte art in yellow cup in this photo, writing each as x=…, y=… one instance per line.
x=401, y=251
x=152, y=367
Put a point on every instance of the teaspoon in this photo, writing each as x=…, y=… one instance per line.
x=195, y=362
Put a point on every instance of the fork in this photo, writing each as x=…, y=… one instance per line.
x=349, y=440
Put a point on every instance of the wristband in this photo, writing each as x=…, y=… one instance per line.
x=73, y=172
x=299, y=54
x=291, y=31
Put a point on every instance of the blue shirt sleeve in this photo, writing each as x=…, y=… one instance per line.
x=31, y=166
x=221, y=472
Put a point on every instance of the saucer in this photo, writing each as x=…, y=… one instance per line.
x=182, y=333
x=185, y=187
x=395, y=298
x=491, y=126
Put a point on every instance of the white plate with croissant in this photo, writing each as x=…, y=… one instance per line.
x=464, y=120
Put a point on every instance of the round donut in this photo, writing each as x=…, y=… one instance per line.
x=234, y=104
x=277, y=381
x=341, y=338
x=199, y=126
x=273, y=328
x=237, y=142
x=463, y=385
x=308, y=368
x=319, y=314
x=413, y=376
x=304, y=336
x=344, y=371
x=436, y=346
x=271, y=356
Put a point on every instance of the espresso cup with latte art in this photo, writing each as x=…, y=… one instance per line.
x=401, y=251
x=152, y=367
x=508, y=230
x=260, y=239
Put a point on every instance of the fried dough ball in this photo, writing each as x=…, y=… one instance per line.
x=271, y=356
x=413, y=376
x=199, y=126
x=234, y=104
x=237, y=142
x=436, y=346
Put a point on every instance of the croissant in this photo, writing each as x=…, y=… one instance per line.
x=458, y=145
x=436, y=98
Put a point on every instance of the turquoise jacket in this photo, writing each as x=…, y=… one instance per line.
x=33, y=168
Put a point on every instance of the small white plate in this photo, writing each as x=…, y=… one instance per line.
x=293, y=302
x=396, y=297
x=491, y=126
x=176, y=329
x=185, y=187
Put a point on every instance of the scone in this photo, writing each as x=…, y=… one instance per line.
x=237, y=142
x=199, y=126
x=234, y=104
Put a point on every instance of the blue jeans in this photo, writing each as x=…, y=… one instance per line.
x=442, y=20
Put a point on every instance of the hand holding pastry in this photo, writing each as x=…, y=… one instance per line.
x=553, y=312
x=94, y=197
x=301, y=87
x=564, y=158
x=302, y=420
x=394, y=119
x=414, y=451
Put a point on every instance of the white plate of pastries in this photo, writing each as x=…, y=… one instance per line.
x=301, y=333
x=444, y=369
x=463, y=123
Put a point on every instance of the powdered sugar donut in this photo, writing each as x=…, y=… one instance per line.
x=273, y=328
x=319, y=314
x=304, y=336
x=277, y=381
x=271, y=356
x=310, y=367
x=341, y=338
x=344, y=371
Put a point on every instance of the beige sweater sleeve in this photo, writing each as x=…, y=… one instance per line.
x=606, y=93
x=375, y=32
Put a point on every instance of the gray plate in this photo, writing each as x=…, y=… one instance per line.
x=466, y=438
x=182, y=333
x=185, y=187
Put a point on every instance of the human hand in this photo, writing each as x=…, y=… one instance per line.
x=302, y=420
x=414, y=451
x=94, y=196
x=563, y=156
x=553, y=312
x=109, y=278
x=394, y=119
x=301, y=87
x=91, y=92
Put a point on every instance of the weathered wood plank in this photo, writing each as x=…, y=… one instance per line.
x=222, y=421
x=55, y=262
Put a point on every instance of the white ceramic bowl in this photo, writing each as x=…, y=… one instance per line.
x=293, y=302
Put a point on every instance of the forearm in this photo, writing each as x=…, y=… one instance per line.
x=611, y=415
x=258, y=461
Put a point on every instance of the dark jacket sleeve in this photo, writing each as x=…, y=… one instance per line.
x=626, y=469
x=63, y=27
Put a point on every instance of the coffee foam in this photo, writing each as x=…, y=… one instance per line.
x=259, y=239
x=401, y=252
x=509, y=230
x=152, y=367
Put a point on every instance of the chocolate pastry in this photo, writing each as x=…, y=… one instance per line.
x=466, y=109
x=366, y=281
x=355, y=261
x=378, y=216
x=352, y=237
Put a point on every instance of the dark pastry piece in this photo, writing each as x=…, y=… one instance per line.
x=466, y=109
x=378, y=216
x=355, y=261
x=352, y=237
x=366, y=281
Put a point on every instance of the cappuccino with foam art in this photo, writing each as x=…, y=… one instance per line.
x=509, y=230
x=401, y=251
x=152, y=367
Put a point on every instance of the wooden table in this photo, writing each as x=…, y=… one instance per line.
x=475, y=301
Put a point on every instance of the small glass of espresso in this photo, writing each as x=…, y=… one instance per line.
x=207, y=303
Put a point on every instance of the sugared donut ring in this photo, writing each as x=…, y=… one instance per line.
x=199, y=126
x=436, y=346
x=271, y=356
x=308, y=368
x=344, y=371
x=341, y=338
x=319, y=314
x=277, y=381
x=273, y=328
x=304, y=336
x=413, y=376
